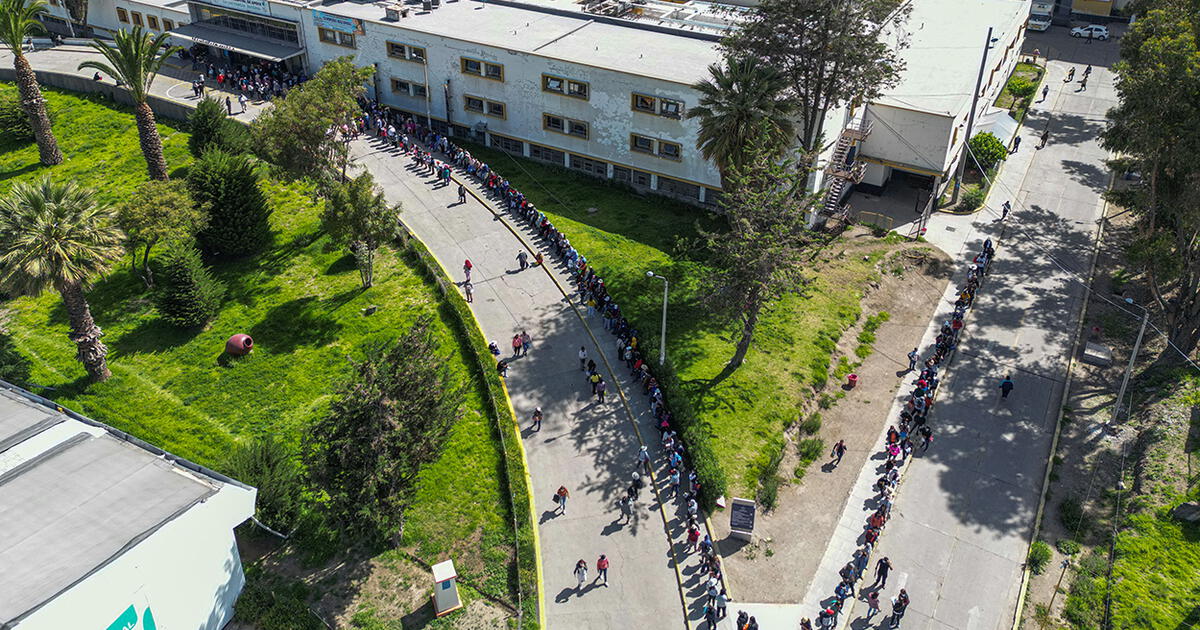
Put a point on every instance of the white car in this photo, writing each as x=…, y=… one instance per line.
x=1091, y=31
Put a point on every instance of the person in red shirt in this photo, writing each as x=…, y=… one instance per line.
x=602, y=568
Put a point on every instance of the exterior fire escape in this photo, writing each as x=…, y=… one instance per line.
x=845, y=169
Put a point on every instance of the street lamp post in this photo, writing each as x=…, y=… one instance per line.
x=662, y=344
x=962, y=161
x=1137, y=345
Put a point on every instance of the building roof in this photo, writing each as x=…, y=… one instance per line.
x=75, y=495
x=945, y=43
x=551, y=31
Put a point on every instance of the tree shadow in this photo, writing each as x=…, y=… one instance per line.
x=341, y=265
x=300, y=322
x=153, y=335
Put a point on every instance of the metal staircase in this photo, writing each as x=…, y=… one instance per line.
x=844, y=169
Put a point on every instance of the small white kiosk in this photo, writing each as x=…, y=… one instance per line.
x=445, y=588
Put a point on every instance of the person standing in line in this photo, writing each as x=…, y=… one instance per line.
x=882, y=568
x=913, y=357
x=722, y=604
x=600, y=387
x=899, y=606
x=526, y=343
x=872, y=604
x=839, y=450
x=242, y=102
x=580, y=573
x=537, y=418
x=467, y=266
x=602, y=569
x=563, y=494
x=674, y=482
x=643, y=458
x=926, y=437
x=626, y=506
x=582, y=358
x=469, y=290
x=862, y=559
x=1006, y=386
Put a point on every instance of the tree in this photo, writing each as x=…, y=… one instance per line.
x=226, y=187
x=1156, y=128
x=738, y=98
x=18, y=20
x=296, y=134
x=135, y=61
x=357, y=215
x=157, y=212
x=391, y=419
x=55, y=235
x=211, y=127
x=14, y=367
x=830, y=50
x=758, y=259
x=269, y=465
x=190, y=296
x=987, y=150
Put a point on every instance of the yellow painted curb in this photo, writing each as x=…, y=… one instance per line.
x=616, y=385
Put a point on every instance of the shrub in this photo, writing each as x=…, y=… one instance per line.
x=987, y=150
x=14, y=124
x=1067, y=547
x=1020, y=87
x=238, y=217
x=269, y=465
x=1039, y=557
x=14, y=367
x=971, y=199
x=211, y=127
x=812, y=424
x=188, y=295
x=810, y=449
x=1070, y=514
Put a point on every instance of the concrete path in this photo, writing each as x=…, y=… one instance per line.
x=961, y=523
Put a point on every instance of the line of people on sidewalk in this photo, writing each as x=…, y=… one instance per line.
x=898, y=448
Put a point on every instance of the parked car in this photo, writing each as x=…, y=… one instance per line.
x=1039, y=22
x=1091, y=31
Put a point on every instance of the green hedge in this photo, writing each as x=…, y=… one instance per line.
x=695, y=434
x=506, y=426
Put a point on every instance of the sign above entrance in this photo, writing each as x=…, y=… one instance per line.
x=333, y=22
x=249, y=6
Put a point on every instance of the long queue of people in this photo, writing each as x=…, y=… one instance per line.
x=899, y=445
x=683, y=485
x=261, y=80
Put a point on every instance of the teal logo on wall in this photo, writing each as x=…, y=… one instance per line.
x=128, y=620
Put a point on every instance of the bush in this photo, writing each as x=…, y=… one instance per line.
x=188, y=294
x=14, y=367
x=211, y=127
x=1020, y=87
x=238, y=217
x=812, y=425
x=269, y=465
x=1039, y=557
x=1071, y=515
x=1067, y=547
x=14, y=124
x=987, y=150
x=971, y=200
x=810, y=449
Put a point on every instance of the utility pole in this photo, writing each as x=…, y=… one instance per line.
x=428, y=98
x=662, y=344
x=1137, y=345
x=962, y=161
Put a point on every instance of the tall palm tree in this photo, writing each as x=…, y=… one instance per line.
x=18, y=21
x=53, y=235
x=135, y=61
x=734, y=103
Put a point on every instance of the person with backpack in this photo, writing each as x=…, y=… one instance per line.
x=561, y=497
x=537, y=418
x=1006, y=386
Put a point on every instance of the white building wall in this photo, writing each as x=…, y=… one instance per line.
x=909, y=137
x=188, y=574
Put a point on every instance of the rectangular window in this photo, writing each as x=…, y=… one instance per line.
x=496, y=110
x=472, y=66
x=670, y=150
x=567, y=126
x=168, y=25
x=631, y=176
x=508, y=145
x=578, y=129
x=401, y=87
x=676, y=188
x=137, y=18
x=643, y=103
x=122, y=15
x=554, y=84
x=416, y=54
x=152, y=22
x=396, y=50
x=420, y=91
x=641, y=144
x=578, y=89
x=546, y=154
x=337, y=38
x=473, y=104
x=588, y=165
x=483, y=69
x=554, y=123
x=670, y=108
x=493, y=71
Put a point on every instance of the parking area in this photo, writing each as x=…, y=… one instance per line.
x=1056, y=43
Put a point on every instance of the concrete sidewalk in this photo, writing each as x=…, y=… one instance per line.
x=589, y=447
x=961, y=523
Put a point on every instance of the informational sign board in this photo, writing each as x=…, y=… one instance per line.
x=249, y=6
x=353, y=26
x=741, y=518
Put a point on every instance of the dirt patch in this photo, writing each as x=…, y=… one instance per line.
x=777, y=567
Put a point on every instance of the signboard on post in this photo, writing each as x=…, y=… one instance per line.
x=741, y=518
x=353, y=26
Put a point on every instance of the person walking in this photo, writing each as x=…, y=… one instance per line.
x=600, y=388
x=643, y=458
x=1004, y=210
x=626, y=506
x=580, y=573
x=1070, y=75
x=526, y=343
x=1045, y=91
x=839, y=450
x=602, y=569
x=1016, y=145
x=537, y=418
x=462, y=194
x=1006, y=386
x=469, y=290
x=1045, y=137
x=228, y=106
x=582, y=358
x=242, y=102
x=899, y=606
x=523, y=260
x=563, y=494
x=872, y=604
x=1082, y=85
x=882, y=568
x=913, y=357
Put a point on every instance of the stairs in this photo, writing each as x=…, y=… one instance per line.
x=843, y=170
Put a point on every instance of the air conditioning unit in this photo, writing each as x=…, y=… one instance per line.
x=391, y=12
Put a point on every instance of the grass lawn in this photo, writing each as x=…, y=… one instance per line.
x=302, y=303
x=1019, y=106
x=624, y=235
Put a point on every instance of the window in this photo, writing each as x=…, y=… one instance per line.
x=473, y=104
x=588, y=165
x=495, y=109
x=546, y=154
x=397, y=50
x=670, y=108
x=402, y=87
x=168, y=25
x=420, y=91
x=641, y=144
x=670, y=150
x=337, y=38
x=152, y=22
x=483, y=69
x=566, y=87
x=484, y=106
x=554, y=123
x=643, y=103
x=122, y=15
x=578, y=89
x=507, y=144
x=553, y=84
x=631, y=176
x=676, y=188
x=137, y=18
x=577, y=128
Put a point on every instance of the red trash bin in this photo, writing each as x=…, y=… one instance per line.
x=852, y=380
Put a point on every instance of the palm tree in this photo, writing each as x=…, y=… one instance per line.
x=135, y=61
x=18, y=21
x=734, y=103
x=55, y=235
